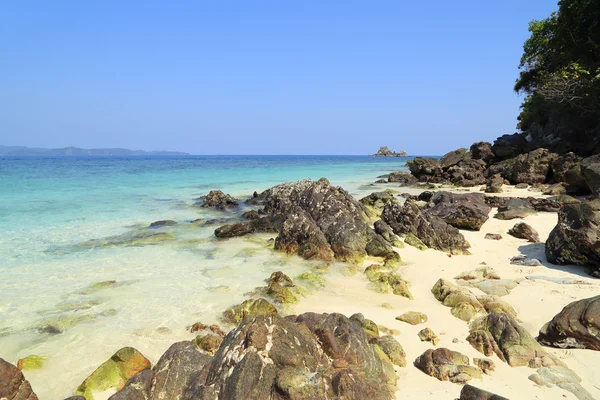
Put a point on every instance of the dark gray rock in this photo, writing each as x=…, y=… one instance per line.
x=483, y=151
x=494, y=184
x=454, y=157
x=158, y=224
x=404, y=178
x=531, y=168
x=515, y=208
x=508, y=146
x=525, y=261
x=423, y=167
x=463, y=211
x=469, y=392
x=590, y=170
x=524, y=231
x=218, y=200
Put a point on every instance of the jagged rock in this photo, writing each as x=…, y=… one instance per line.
x=590, y=170
x=515, y=208
x=454, y=157
x=114, y=373
x=562, y=377
x=248, y=308
x=500, y=334
x=368, y=326
x=525, y=261
x=136, y=388
x=493, y=236
x=381, y=181
x=308, y=356
x=463, y=211
x=384, y=151
x=433, y=231
x=261, y=224
x=508, y=146
x=562, y=165
x=218, y=200
x=318, y=221
x=427, y=335
x=576, y=237
x=422, y=166
x=386, y=231
x=469, y=392
x=576, y=326
x=378, y=199
x=485, y=364
x=447, y=365
x=392, y=349
x=524, y=231
x=13, y=385
x=208, y=343
x=404, y=178
x=412, y=317
x=482, y=151
x=494, y=184
x=385, y=279
x=531, y=168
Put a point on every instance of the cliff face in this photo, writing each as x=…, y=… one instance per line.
x=384, y=151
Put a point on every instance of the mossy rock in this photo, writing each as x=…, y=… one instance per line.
x=370, y=327
x=414, y=241
x=281, y=294
x=464, y=311
x=391, y=348
x=209, y=343
x=413, y=318
x=31, y=362
x=114, y=373
x=248, y=308
x=387, y=306
x=312, y=279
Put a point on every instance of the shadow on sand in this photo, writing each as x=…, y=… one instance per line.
x=538, y=250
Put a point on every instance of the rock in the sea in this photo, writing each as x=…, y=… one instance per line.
x=463, y=211
x=576, y=326
x=515, y=208
x=500, y=334
x=218, y=200
x=524, y=231
x=248, y=308
x=433, y=231
x=576, y=237
x=310, y=356
x=447, y=365
x=413, y=317
x=427, y=335
x=525, y=261
x=136, y=388
x=114, y=373
x=404, y=178
x=562, y=377
x=31, y=362
x=469, y=392
x=384, y=151
x=166, y=222
x=317, y=221
x=13, y=385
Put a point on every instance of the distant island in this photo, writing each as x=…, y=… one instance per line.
x=76, y=151
x=384, y=151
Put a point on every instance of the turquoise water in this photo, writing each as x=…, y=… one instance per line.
x=68, y=223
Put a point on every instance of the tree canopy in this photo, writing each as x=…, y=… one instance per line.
x=560, y=75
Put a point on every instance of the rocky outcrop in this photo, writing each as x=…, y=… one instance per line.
x=454, y=157
x=300, y=357
x=248, y=308
x=447, y=365
x=404, y=178
x=508, y=146
x=432, y=231
x=384, y=151
x=499, y=333
x=494, y=184
x=576, y=237
x=483, y=151
x=524, y=231
x=218, y=200
x=530, y=168
x=463, y=211
x=316, y=221
x=515, y=208
x=378, y=200
x=576, y=326
x=590, y=171
x=13, y=384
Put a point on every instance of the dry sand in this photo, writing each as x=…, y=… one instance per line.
x=536, y=302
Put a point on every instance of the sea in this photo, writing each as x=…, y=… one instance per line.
x=82, y=274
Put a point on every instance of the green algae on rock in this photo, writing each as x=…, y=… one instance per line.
x=385, y=280
x=248, y=308
x=412, y=317
x=114, y=373
x=31, y=362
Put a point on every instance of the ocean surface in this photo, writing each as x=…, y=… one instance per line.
x=82, y=274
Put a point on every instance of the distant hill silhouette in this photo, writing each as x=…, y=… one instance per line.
x=75, y=151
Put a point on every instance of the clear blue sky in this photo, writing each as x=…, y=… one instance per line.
x=261, y=77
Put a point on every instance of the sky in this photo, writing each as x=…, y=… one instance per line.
x=262, y=77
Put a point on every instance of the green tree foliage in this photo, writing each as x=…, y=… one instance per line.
x=560, y=75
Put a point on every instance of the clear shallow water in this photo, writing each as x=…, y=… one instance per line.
x=50, y=210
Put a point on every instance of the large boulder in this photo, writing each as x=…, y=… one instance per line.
x=466, y=173
x=508, y=146
x=316, y=221
x=531, y=168
x=404, y=178
x=576, y=237
x=447, y=365
x=454, y=157
x=13, y=385
x=310, y=356
x=433, y=231
x=422, y=167
x=482, y=151
x=590, y=170
x=576, y=326
x=463, y=211
x=515, y=208
x=524, y=231
x=499, y=333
